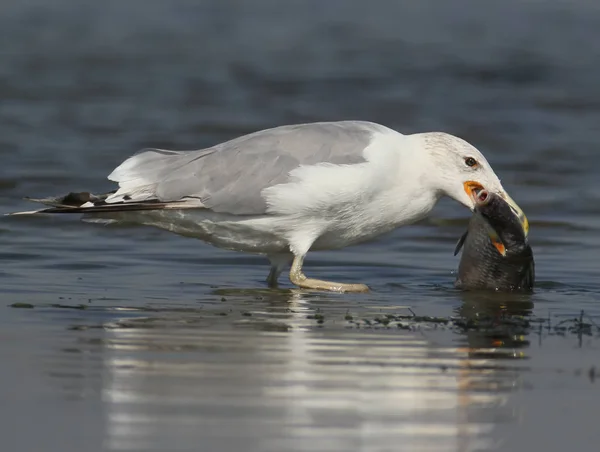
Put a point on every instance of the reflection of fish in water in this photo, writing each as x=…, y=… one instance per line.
x=496, y=253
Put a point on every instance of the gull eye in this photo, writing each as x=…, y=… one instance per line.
x=470, y=161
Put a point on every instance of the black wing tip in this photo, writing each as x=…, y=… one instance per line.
x=72, y=199
x=117, y=207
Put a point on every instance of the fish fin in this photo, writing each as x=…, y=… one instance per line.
x=495, y=239
x=499, y=246
x=460, y=243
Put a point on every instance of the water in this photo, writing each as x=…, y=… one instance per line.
x=135, y=339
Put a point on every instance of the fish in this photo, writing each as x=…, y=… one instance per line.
x=496, y=254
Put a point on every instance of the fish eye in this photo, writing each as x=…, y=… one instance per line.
x=471, y=162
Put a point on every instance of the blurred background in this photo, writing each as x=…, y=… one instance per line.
x=135, y=339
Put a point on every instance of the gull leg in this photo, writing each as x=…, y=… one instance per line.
x=298, y=278
x=278, y=263
x=273, y=276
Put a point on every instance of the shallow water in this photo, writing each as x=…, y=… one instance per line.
x=135, y=339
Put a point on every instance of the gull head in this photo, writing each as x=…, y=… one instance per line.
x=458, y=170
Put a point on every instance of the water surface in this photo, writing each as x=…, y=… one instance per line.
x=135, y=339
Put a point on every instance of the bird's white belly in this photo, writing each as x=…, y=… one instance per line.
x=340, y=237
x=261, y=234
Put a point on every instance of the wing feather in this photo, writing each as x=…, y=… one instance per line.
x=231, y=176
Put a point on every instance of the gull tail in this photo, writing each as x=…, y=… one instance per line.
x=85, y=202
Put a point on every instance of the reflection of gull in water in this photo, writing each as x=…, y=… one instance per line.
x=284, y=191
x=309, y=387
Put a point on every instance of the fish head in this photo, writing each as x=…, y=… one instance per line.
x=474, y=191
x=509, y=227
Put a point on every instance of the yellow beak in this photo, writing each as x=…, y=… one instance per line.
x=518, y=212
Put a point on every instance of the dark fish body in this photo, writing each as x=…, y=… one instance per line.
x=496, y=254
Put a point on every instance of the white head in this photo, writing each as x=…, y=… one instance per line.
x=460, y=171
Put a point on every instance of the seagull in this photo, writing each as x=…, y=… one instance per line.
x=283, y=191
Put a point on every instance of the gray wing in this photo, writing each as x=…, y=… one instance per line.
x=230, y=177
